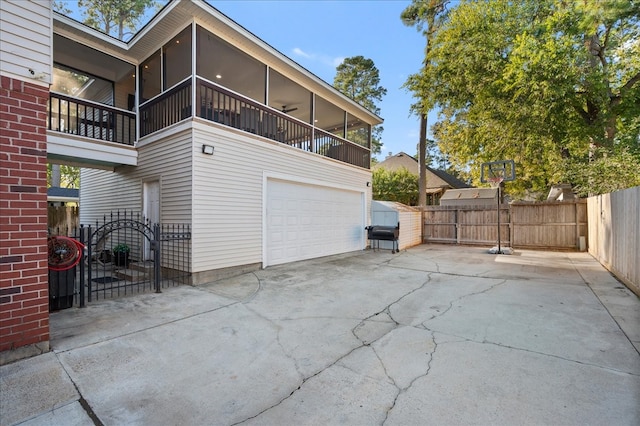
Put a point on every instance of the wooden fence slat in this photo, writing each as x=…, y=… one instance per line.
x=553, y=225
x=614, y=234
x=62, y=220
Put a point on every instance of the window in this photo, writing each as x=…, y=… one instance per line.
x=81, y=85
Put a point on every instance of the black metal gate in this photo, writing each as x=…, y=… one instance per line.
x=125, y=254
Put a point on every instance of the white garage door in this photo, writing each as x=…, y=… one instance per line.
x=308, y=221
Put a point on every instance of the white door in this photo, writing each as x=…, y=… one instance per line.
x=307, y=221
x=150, y=210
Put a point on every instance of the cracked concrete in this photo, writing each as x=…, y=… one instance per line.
x=434, y=334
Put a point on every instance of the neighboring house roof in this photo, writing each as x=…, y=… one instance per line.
x=62, y=194
x=397, y=162
x=435, y=178
x=453, y=181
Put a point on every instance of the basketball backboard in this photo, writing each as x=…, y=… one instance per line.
x=502, y=171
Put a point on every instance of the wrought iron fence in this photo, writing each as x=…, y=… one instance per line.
x=125, y=254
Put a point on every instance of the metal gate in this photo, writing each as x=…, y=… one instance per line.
x=126, y=255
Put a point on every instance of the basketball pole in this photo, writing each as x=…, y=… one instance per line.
x=499, y=248
x=496, y=172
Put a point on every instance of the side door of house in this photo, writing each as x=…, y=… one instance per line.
x=150, y=209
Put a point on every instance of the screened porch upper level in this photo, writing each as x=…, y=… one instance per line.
x=199, y=74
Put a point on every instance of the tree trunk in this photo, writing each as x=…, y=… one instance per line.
x=422, y=156
x=55, y=175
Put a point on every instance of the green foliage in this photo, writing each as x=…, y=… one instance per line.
x=119, y=18
x=121, y=248
x=427, y=16
x=608, y=172
x=69, y=176
x=358, y=78
x=400, y=186
x=538, y=81
x=60, y=7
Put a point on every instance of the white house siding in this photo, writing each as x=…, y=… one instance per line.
x=25, y=40
x=228, y=210
x=163, y=158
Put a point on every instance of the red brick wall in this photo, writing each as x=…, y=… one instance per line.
x=24, y=288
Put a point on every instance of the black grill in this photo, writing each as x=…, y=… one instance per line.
x=384, y=233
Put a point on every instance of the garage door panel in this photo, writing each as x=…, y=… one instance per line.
x=318, y=221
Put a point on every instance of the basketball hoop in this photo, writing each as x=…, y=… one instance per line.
x=495, y=181
x=494, y=173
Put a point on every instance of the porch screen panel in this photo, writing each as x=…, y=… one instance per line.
x=222, y=63
x=177, y=58
x=150, y=77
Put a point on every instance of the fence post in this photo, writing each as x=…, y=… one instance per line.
x=90, y=259
x=82, y=267
x=456, y=218
x=155, y=245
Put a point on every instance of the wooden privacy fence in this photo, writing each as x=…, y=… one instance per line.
x=614, y=234
x=551, y=226
x=62, y=219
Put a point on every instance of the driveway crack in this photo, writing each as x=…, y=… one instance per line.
x=458, y=299
x=406, y=388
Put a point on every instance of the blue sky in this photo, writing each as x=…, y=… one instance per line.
x=319, y=34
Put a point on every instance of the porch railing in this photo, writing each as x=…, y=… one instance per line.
x=215, y=103
x=90, y=119
x=170, y=107
x=226, y=107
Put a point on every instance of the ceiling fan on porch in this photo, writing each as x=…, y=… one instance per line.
x=288, y=110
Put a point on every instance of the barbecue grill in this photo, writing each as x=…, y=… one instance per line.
x=377, y=233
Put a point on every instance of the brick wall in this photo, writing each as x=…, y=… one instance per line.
x=24, y=289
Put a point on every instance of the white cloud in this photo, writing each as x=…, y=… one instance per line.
x=337, y=61
x=299, y=52
x=331, y=61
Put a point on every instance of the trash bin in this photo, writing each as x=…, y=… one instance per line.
x=61, y=289
x=64, y=255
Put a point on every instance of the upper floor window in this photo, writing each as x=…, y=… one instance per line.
x=222, y=63
x=82, y=85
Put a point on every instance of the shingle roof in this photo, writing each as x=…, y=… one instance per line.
x=58, y=192
x=403, y=160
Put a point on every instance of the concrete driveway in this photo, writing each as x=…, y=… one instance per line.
x=433, y=335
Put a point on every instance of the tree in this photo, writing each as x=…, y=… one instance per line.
x=358, y=78
x=400, y=186
x=553, y=85
x=421, y=14
x=119, y=18
x=63, y=176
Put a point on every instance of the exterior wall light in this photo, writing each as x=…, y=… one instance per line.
x=207, y=149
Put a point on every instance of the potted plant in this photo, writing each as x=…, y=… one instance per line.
x=121, y=255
